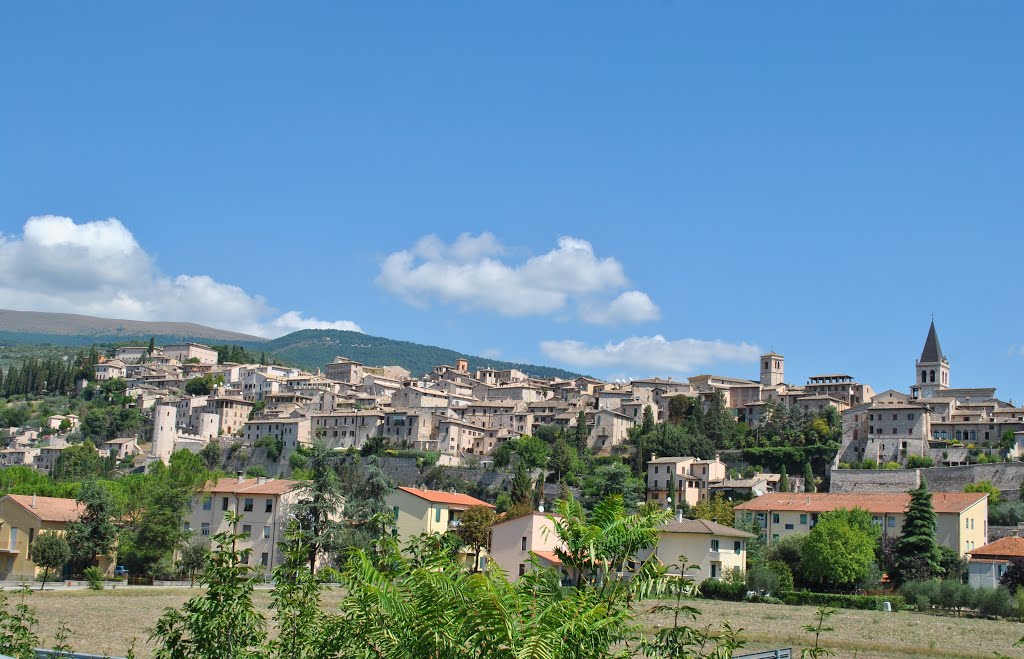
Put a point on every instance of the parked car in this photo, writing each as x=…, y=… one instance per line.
x=120, y=571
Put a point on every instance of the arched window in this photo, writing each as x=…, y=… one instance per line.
x=932, y=373
x=924, y=376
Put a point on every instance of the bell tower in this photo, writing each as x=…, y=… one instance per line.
x=931, y=373
x=772, y=369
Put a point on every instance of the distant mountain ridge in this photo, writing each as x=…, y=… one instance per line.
x=311, y=349
x=308, y=349
x=45, y=327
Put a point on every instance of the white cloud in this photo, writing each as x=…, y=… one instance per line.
x=629, y=307
x=650, y=354
x=99, y=269
x=470, y=273
x=491, y=353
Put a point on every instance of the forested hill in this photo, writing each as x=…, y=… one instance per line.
x=312, y=349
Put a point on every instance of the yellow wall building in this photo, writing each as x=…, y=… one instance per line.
x=714, y=550
x=961, y=518
x=22, y=519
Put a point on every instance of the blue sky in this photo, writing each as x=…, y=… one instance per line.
x=813, y=178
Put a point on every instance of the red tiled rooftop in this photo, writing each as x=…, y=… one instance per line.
x=549, y=556
x=1010, y=547
x=250, y=486
x=49, y=509
x=942, y=502
x=456, y=499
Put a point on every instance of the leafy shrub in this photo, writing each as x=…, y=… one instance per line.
x=256, y=471
x=995, y=602
x=889, y=466
x=94, y=576
x=922, y=593
x=297, y=460
x=722, y=589
x=762, y=580
x=956, y=596
x=274, y=446
x=919, y=462
x=837, y=601
x=782, y=573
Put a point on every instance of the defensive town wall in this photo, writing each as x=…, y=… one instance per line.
x=1006, y=477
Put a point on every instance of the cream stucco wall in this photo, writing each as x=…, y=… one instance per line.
x=699, y=550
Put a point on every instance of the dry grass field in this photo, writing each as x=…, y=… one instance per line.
x=106, y=622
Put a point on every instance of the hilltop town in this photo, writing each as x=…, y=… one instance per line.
x=743, y=470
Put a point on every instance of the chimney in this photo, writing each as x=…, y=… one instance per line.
x=260, y=480
x=33, y=500
x=239, y=476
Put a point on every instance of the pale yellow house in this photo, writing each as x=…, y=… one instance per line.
x=427, y=511
x=22, y=519
x=265, y=506
x=711, y=550
x=515, y=542
x=961, y=518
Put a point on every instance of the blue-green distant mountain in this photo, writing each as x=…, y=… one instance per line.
x=308, y=349
x=311, y=349
x=66, y=329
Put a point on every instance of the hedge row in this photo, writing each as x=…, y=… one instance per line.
x=866, y=602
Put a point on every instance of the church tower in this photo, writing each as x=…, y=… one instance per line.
x=932, y=369
x=772, y=369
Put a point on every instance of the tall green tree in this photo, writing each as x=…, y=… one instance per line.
x=916, y=554
x=783, y=480
x=809, y=484
x=475, y=530
x=647, y=426
x=94, y=533
x=563, y=459
x=522, y=486
x=840, y=550
x=51, y=552
x=78, y=462
x=581, y=432
x=193, y=557
x=320, y=502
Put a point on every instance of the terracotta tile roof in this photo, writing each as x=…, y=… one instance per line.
x=456, y=499
x=704, y=527
x=1010, y=547
x=942, y=502
x=250, y=486
x=49, y=509
x=549, y=556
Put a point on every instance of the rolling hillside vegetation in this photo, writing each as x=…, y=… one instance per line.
x=312, y=349
x=29, y=333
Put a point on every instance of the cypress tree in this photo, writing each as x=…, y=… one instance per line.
x=809, y=485
x=783, y=480
x=916, y=553
x=648, y=423
x=521, y=485
x=581, y=432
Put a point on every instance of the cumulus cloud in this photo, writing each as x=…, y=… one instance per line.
x=99, y=269
x=470, y=272
x=650, y=354
x=629, y=307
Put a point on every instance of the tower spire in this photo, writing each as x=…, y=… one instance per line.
x=932, y=353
